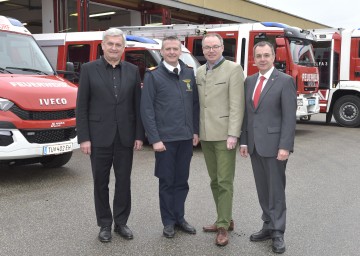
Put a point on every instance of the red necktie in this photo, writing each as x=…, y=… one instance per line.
x=258, y=91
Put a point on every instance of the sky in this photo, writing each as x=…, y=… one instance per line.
x=334, y=13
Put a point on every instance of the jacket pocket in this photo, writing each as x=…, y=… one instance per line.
x=273, y=129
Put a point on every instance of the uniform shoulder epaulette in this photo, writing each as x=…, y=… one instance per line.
x=152, y=68
x=189, y=66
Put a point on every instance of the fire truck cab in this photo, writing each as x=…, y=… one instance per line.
x=81, y=47
x=37, y=107
x=337, y=54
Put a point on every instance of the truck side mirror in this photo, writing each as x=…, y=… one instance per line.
x=70, y=74
x=70, y=66
x=280, y=58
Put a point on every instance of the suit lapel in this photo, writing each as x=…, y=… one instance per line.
x=252, y=89
x=100, y=68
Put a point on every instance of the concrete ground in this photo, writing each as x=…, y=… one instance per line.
x=51, y=212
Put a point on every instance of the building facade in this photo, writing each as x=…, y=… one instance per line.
x=47, y=16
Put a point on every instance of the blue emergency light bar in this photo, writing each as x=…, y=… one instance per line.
x=274, y=24
x=140, y=39
x=15, y=22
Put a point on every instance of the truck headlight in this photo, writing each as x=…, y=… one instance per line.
x=300, y=102
x=5, y=104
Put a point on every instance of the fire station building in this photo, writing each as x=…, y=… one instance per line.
x=48, y=16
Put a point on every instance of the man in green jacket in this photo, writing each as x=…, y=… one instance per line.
x=221, y=93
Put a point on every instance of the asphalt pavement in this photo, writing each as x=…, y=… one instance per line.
x=51, y=211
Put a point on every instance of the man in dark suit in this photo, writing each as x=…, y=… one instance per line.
x=109, y=128
x=170, y=113
x=268, y=135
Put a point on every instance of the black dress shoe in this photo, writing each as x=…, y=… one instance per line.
x=278, y=244
x=124, y=231
x=169, y=231
x=186, y=227
x=262, y=235
x=105, y=234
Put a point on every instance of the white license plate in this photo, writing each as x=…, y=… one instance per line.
x=311, y=102
x=57, y=149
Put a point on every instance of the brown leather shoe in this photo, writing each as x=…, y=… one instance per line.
x=213, y=227
x=222, y=237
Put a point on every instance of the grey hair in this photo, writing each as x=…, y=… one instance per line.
x=212, y=35
x=114, y=32
x=262, y=44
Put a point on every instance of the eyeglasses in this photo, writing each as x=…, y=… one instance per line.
x=214, y=48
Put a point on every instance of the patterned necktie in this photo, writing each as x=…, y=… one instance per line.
x=258, y=91
x=176, y=71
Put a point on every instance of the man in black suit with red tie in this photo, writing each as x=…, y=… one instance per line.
x=109, y=128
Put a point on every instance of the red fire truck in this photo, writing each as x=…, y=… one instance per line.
x=337, y=53
x=81, y=47
x=293, y=46
x=37, y=108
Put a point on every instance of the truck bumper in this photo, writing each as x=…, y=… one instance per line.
x=20, y=148
x=307, y=105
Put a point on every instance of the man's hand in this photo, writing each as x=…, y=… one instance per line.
x=159, y=146
x=231, y=142
x=86, y=147
x=243, y=151
x=138, y=144
x=195, y=140
x=283, y=154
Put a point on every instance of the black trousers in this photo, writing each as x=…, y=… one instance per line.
x=102, y=159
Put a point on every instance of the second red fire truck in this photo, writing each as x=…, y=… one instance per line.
x=337, y=54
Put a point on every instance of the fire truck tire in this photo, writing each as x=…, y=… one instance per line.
x=305, y=118
x=347, y=111
x=56, y=161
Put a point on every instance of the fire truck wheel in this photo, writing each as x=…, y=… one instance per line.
x=347, y=111
x=305, y=118
x=56, y=161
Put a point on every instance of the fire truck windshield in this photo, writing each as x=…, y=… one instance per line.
x=19, y=54
x=301, y=52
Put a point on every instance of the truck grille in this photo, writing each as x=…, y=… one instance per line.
x=49, y=136
x=42, y=115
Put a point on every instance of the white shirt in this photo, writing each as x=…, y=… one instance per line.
x=171, y=68
x=267, y=76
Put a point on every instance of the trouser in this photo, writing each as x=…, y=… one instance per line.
x=172, y=169
x=220, y=163
x=270, y=180
x=102, y=159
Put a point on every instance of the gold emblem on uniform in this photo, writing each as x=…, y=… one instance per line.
x=188, y=86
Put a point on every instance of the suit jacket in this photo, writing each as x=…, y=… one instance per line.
x=99, y=113
x=271, y=125
x=221, y=95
